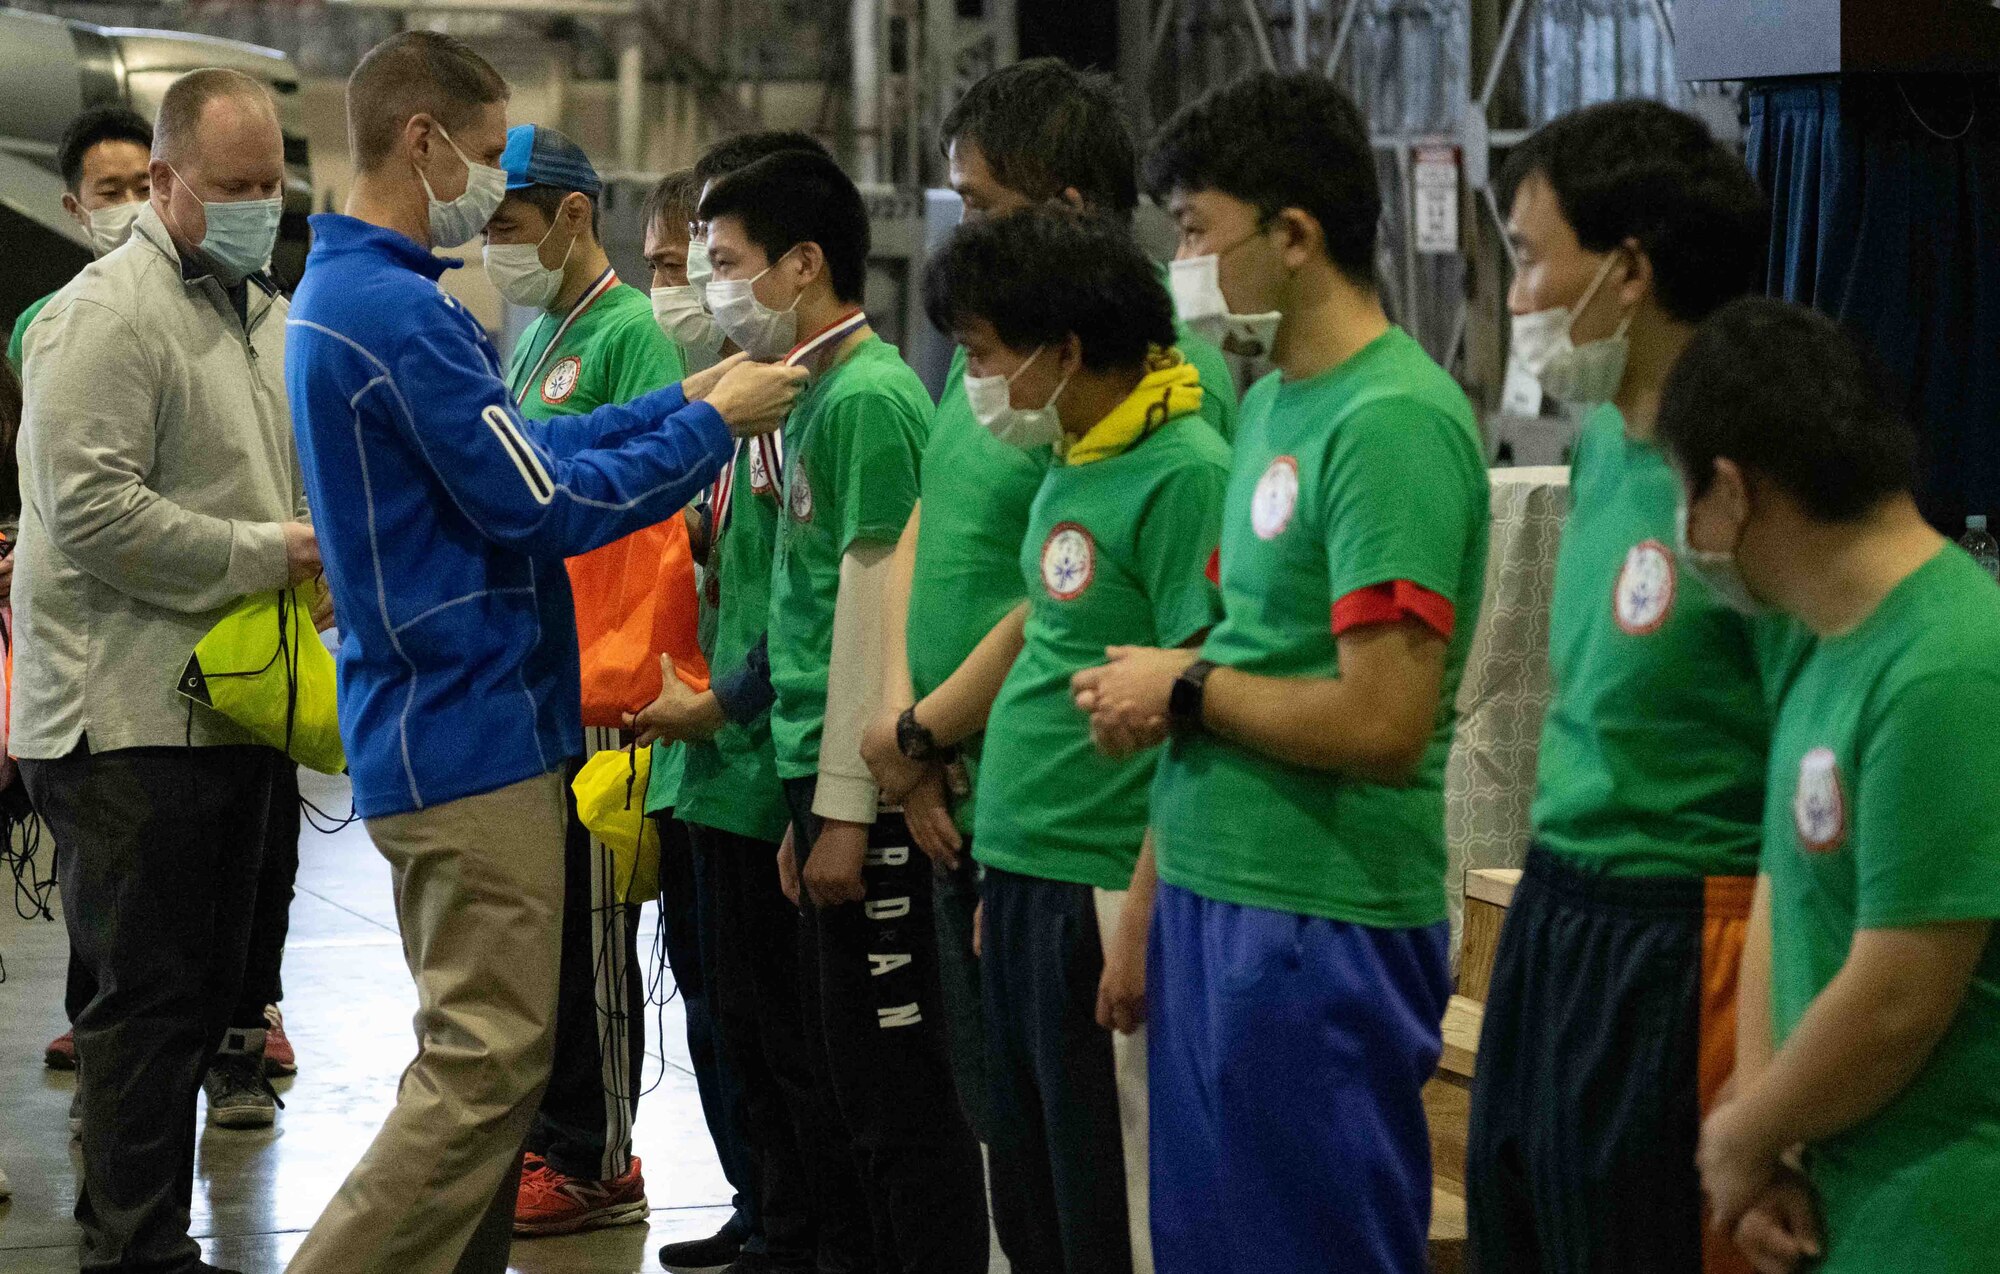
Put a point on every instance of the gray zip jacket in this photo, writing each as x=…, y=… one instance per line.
x=157, y=470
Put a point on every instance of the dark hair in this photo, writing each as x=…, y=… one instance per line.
x=99, y=124
x=796, y=197
x=1784, y=392
x=415, y=73
x=1640, y=170
x=1040, y=274
x=674, y=198
x=548, y=201
x=1045, y=127
x=10, y=439
x=1277, y=142
x=181, y=106
x=744, y=149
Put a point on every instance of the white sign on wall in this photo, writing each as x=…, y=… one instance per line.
x=1434, y=181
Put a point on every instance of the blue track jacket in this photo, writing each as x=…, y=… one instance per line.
x=444, y=518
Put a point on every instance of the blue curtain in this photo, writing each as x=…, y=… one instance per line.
x=1885, y=194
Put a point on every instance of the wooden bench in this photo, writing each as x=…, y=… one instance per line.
x=1448, y=1097
x=1489, y=891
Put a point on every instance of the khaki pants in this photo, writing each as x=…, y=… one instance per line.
x=1128, y=1054
x=479, y=890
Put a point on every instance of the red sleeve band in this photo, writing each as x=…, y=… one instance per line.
x=1392, y=603
x=1214, y=568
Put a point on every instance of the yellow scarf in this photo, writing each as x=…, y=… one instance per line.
x=1171, y=389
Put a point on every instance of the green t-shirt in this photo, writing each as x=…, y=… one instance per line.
x=732, y=780
x=663, y=781
x=1884, y=812
x=1116, y=554
x=852, y=446
x=612, y=351
x=976, y=493
x=1656, y=737
x=21, y=331
x=1364, y=475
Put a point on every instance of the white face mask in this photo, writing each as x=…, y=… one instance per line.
x=699, y=271
x=1719, y=571
x=240, y=233
x=517, y=271
x=758, y=330
x=1025, y=427
x=456, y=221
x=678, y=312
x=110, y=227
x=1579, y=375
x=1197, y=287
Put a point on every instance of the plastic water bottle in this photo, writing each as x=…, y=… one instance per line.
x=1979, y=542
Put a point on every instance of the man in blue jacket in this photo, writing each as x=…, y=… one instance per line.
x=445, y=518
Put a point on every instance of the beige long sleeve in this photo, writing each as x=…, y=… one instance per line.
x=846, y=790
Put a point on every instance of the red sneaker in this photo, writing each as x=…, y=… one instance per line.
x=60, y=1055
x=532, y=1166
x=550, y=1203
x=279, y=1059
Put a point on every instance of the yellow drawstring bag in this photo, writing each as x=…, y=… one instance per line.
x=611, y=803
x=264, y=668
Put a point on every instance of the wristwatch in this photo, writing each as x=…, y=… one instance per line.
x=915, y=741
x=1184, y=700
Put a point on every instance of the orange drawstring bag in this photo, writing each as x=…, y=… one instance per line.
x=634, y=602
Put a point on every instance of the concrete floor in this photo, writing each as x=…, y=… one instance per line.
x=348, y=1003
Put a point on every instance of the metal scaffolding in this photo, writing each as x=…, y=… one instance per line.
x=1447, y=86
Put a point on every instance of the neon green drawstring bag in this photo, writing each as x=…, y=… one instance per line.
x=264, y=668
x=611, y=803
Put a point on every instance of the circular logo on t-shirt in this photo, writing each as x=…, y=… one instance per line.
x=1275, y=499
x=760, y=473
x=560, y=383
x=802, y=495
x=1819, y=806
x=1069, y=561
x=1644, y=595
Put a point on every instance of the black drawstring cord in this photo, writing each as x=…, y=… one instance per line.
x=660, y=989
x=332, y=823
x=288, y=653
x=20, y=843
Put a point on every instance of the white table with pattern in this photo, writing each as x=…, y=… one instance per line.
x=1490, y=779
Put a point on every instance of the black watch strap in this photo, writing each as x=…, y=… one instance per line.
x=915, y=741
x=1185, y=699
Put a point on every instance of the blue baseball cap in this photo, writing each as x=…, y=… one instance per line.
x=537, y=155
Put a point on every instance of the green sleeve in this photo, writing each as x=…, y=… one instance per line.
x=642, y=359
x=1394, y=505
x=1218, y=387
x=875, y=440
x=20, y=335
x=1178, y=533
x=1927, y=815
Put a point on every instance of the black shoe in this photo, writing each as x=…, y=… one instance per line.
x=758, y=1263
x=719, y=1249
x=239, y=1096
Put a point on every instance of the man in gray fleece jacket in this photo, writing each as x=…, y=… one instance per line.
x=159, y=486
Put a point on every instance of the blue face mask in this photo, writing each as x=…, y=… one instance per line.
x=240, y=235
